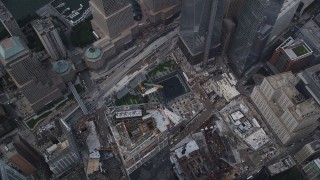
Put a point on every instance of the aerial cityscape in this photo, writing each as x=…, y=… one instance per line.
x=160, y=90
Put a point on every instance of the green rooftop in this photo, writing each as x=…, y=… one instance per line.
x=10, y=47
x=300, y=50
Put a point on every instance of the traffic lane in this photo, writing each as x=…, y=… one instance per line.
x=85, y=75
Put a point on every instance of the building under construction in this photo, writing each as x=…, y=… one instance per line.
x=140, y=131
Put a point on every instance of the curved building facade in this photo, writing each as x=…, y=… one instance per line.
x=64, y=69
x=93, y=58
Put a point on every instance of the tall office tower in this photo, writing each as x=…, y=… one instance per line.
x=309, y=32
x=253, y=29
x=284, y=19
x=309, y=83
x=113, y=22
x=200, y=29
x=303, y=5
x=308, y=152
x=111, y=17
x=10, y=23
x=8, y=173
x=59, y=148
x=291, y=55
x=50, y=38
x=286, y=111
x=312, y=169
x=228, y=28
x=21, y=155
x=232, y=9
x=162, y=10
x=28, y=74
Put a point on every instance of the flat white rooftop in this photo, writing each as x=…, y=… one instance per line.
x=130, y=113
x=257, y=139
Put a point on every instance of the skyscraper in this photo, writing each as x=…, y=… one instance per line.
x=50, y=38
x=309, y=83
x=285, y=109
x=28, y=74
x=200, y=29
x=21, y=155
x=7, y=172
x=253, y=29
x=113, y=22
x=111, y=17
x=285, y=17
x=10, y=23
x=162, y=10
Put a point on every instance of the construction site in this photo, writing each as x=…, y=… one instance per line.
x=203, y=155
x=140, y=131
x=100, y=158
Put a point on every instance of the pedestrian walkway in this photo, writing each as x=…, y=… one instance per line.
x=78, y=99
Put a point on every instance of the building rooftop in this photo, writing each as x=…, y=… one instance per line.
x=187, y=149
x=243, y=121
x=10, y=47
x=295, y=49
x=281, y=80
x=281, y=166
x=287, y=5
x=310, y=32
x=92, y=140
x=311, y=80
x=61, y=66
x=257, y=139
x=225, y=86
x=43, y=25
x=93, y=53
x=130, y=113
x=4, y=13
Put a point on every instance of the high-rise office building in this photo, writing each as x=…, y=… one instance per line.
x=309, y=32
x=284, y=19
x=50, y=38
x=8, y=173
x=232, y=9
x=10, y=23
x=200, y=29
x=112, y=17
x=114, y=24
x=228, y=28
x=58, y=146
x=28, y=74
x=21, y=155
x=309, y=83
x=285, y=109
x=312, y=169
x=304, y=4
x=162, y=10
x=291, y=55
x=254, y=26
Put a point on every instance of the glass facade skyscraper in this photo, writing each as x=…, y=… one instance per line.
x=196, y=18
x=254, y=26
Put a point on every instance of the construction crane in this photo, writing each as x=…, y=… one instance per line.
x=144, y=91
x=142, y=88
